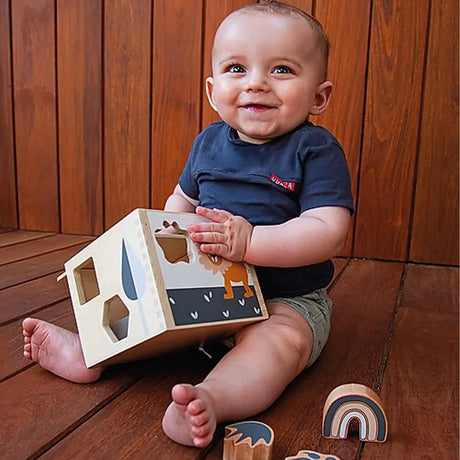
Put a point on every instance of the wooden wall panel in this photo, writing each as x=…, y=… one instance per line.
x=436, y=201
x=176, y=91
x=79, y=58
x=35, y=113
x=397, y=51
x=8, y=211
x=215, y=12
x=127, y=112
x=347, y=71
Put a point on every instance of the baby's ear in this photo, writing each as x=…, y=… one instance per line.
x=210, y=92
x=322, y=97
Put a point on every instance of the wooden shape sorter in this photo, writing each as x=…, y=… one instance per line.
x=143, y=288
x=354, y=401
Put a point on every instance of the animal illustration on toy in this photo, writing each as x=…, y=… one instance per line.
x=144, y=288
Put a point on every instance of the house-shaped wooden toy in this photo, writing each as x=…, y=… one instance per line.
x=144, y=288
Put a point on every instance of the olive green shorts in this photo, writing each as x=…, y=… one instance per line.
x=316, y=308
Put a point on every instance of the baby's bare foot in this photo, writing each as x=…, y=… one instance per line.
x=56, y=350
x=190, y=419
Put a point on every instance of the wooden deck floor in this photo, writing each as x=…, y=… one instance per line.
x=394, y=329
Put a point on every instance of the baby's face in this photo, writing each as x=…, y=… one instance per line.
x=267, y=75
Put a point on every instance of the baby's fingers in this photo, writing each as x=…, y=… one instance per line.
x=216, y=215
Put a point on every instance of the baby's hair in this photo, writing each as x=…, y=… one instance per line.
x=283, y=9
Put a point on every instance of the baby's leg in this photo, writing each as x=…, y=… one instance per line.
x=56, y=350
x=249, y=378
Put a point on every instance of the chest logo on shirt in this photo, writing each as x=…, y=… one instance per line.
x=289, y=185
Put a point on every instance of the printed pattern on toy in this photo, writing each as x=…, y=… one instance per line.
x=230, y=271
x=191, y=305
x=312, y=455
x=249, y=440
x=354, y=402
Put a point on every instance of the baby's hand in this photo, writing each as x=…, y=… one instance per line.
x=227, y=235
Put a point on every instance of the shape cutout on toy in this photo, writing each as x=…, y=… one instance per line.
x=115, y=318
x=312, y=455
x=354, y=402
x=173, y=242
x=86, y=281
x=247, y=441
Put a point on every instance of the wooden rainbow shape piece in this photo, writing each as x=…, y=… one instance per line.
x=354, y=402
x=248, y=440
x=312, y=455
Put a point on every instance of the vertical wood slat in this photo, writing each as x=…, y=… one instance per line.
x=80, y=114
x=127, y=62
x=347, y=63
x=176, y=83
x=8, y=211
x=215, y=12
x=436, y=214
x=391, y=128
x=35, y=113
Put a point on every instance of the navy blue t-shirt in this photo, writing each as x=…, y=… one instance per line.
x=269, y=184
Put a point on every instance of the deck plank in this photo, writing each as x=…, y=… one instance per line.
x=20, y=236
x=38, y=408
x=28, y=249
x=28, y=269
x=364, y=299
x=420, y=388
x=25, y=299
x=137, y=414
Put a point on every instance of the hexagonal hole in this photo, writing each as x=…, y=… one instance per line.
x=115, y=318
x=86, y=281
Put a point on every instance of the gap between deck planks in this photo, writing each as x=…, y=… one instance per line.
x=120, y=416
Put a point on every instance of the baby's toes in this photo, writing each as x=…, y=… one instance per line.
x=202, y=441
x=200, y=419
x=196, y=407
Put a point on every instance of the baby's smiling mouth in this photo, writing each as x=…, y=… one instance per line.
x=257, y=107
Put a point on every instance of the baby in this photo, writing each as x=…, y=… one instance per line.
x=276, y=190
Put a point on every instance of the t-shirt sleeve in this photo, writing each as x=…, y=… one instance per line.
x=326, y=180
x=187, y=179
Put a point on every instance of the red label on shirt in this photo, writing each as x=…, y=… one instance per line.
x=284, y=183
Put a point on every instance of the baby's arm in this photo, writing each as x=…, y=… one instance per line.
x=317, y=235
x=178, y=201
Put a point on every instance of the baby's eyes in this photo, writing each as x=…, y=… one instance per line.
x=282, y=69
x=235, y=68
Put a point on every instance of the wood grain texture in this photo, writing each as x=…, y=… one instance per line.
x=35, y=387
x=176, y=83
x=33, y=248
x=35, y=113
x=15, y=237
x=25, y=299
x=436, y=215
x=215, y=12
x=127, y=67
x=397, y=47
x=137, y=415
x=79, y=66
x=8, y=209
x=347, y=63
x=27, y=270
x=427, y=390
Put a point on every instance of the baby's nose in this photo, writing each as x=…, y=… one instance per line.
x=256, y=81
